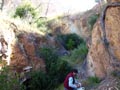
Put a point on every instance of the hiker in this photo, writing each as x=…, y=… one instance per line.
x=70, y=82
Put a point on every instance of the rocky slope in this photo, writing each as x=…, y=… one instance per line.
x=103, y=57
x=19, y=46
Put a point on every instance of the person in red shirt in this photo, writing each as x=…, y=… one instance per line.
x=70, y=83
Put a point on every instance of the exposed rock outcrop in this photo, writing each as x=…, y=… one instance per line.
x=104, y=54
x=19, y=48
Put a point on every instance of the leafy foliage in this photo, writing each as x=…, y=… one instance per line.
x=69, y=41
x=77, y=55
x=56, y=70
x=9, y=80
x=50, y=57
x=39, y=81
x=23, y=10
x=93, y=80
x=116, y=74
x=92, y=20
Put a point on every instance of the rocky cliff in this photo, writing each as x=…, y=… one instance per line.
x=103, y=57
x=19, y=46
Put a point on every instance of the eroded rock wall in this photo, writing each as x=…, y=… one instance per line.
x=104, y=54
x=19, y=48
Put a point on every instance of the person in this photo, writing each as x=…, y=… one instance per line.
x=70, y=82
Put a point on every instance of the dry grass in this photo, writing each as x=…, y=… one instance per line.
x=18, y=24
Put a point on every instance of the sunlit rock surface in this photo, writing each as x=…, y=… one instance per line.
x=103, y=59
x=19, y=48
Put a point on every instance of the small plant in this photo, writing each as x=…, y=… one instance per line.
x=93, y=80
x=77, y=55
x=70, y=41
x=70, y=44
x=24, y=10
x=92, y=20
x=116, y=74
x=56, y=70
x=42, y=24
x=9, y=80
x=39, y=81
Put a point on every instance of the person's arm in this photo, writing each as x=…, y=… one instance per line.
x=76, y=81
x=70, y=83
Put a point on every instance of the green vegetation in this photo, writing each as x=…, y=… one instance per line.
x=23, y=10
x=9, y=80
x=76, y=46
x=39, y=81
x=94, y=80
x=77, y=55
x=42, y=24
x=70, y=41
x=92, y=20
x=116, y=74
x=56, y=67
x=30, y=14
x=60, y=87
x=56, y=70
x=91, y=82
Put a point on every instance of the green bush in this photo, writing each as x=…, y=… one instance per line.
x=70, y=41
x=42, y=24
x=50, y=57
x=39, y=81
x=92, y=20
x=63, y=68
x=23, y=10
x=116, y=74
x=9, y=80
x=56, y=70
x=77, y=55
x=93, y=80
x=70, y=44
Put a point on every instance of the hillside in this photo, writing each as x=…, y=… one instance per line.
x=40, y=51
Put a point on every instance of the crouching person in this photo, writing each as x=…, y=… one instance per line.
x=70, y=82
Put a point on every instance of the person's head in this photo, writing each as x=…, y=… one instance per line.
x=75, y=72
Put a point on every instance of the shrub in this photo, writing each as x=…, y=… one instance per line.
x=77, y=55
x=115, y=74
x=93, y=80
x=50, y=57
x=70, y=44
x=9, y=80
x=42, y=24
x=23, y=10
x=70, y=41
x=39, y=81
x=92, y=20
x=56, y=70
x=63, y=68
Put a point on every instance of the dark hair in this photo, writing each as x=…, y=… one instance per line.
x=75, y=70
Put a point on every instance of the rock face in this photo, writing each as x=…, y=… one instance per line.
x=104, y=58
x=25, y=53
x=20, y=45
x=19, y=49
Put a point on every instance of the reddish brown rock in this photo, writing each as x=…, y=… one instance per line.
x=103, y=59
